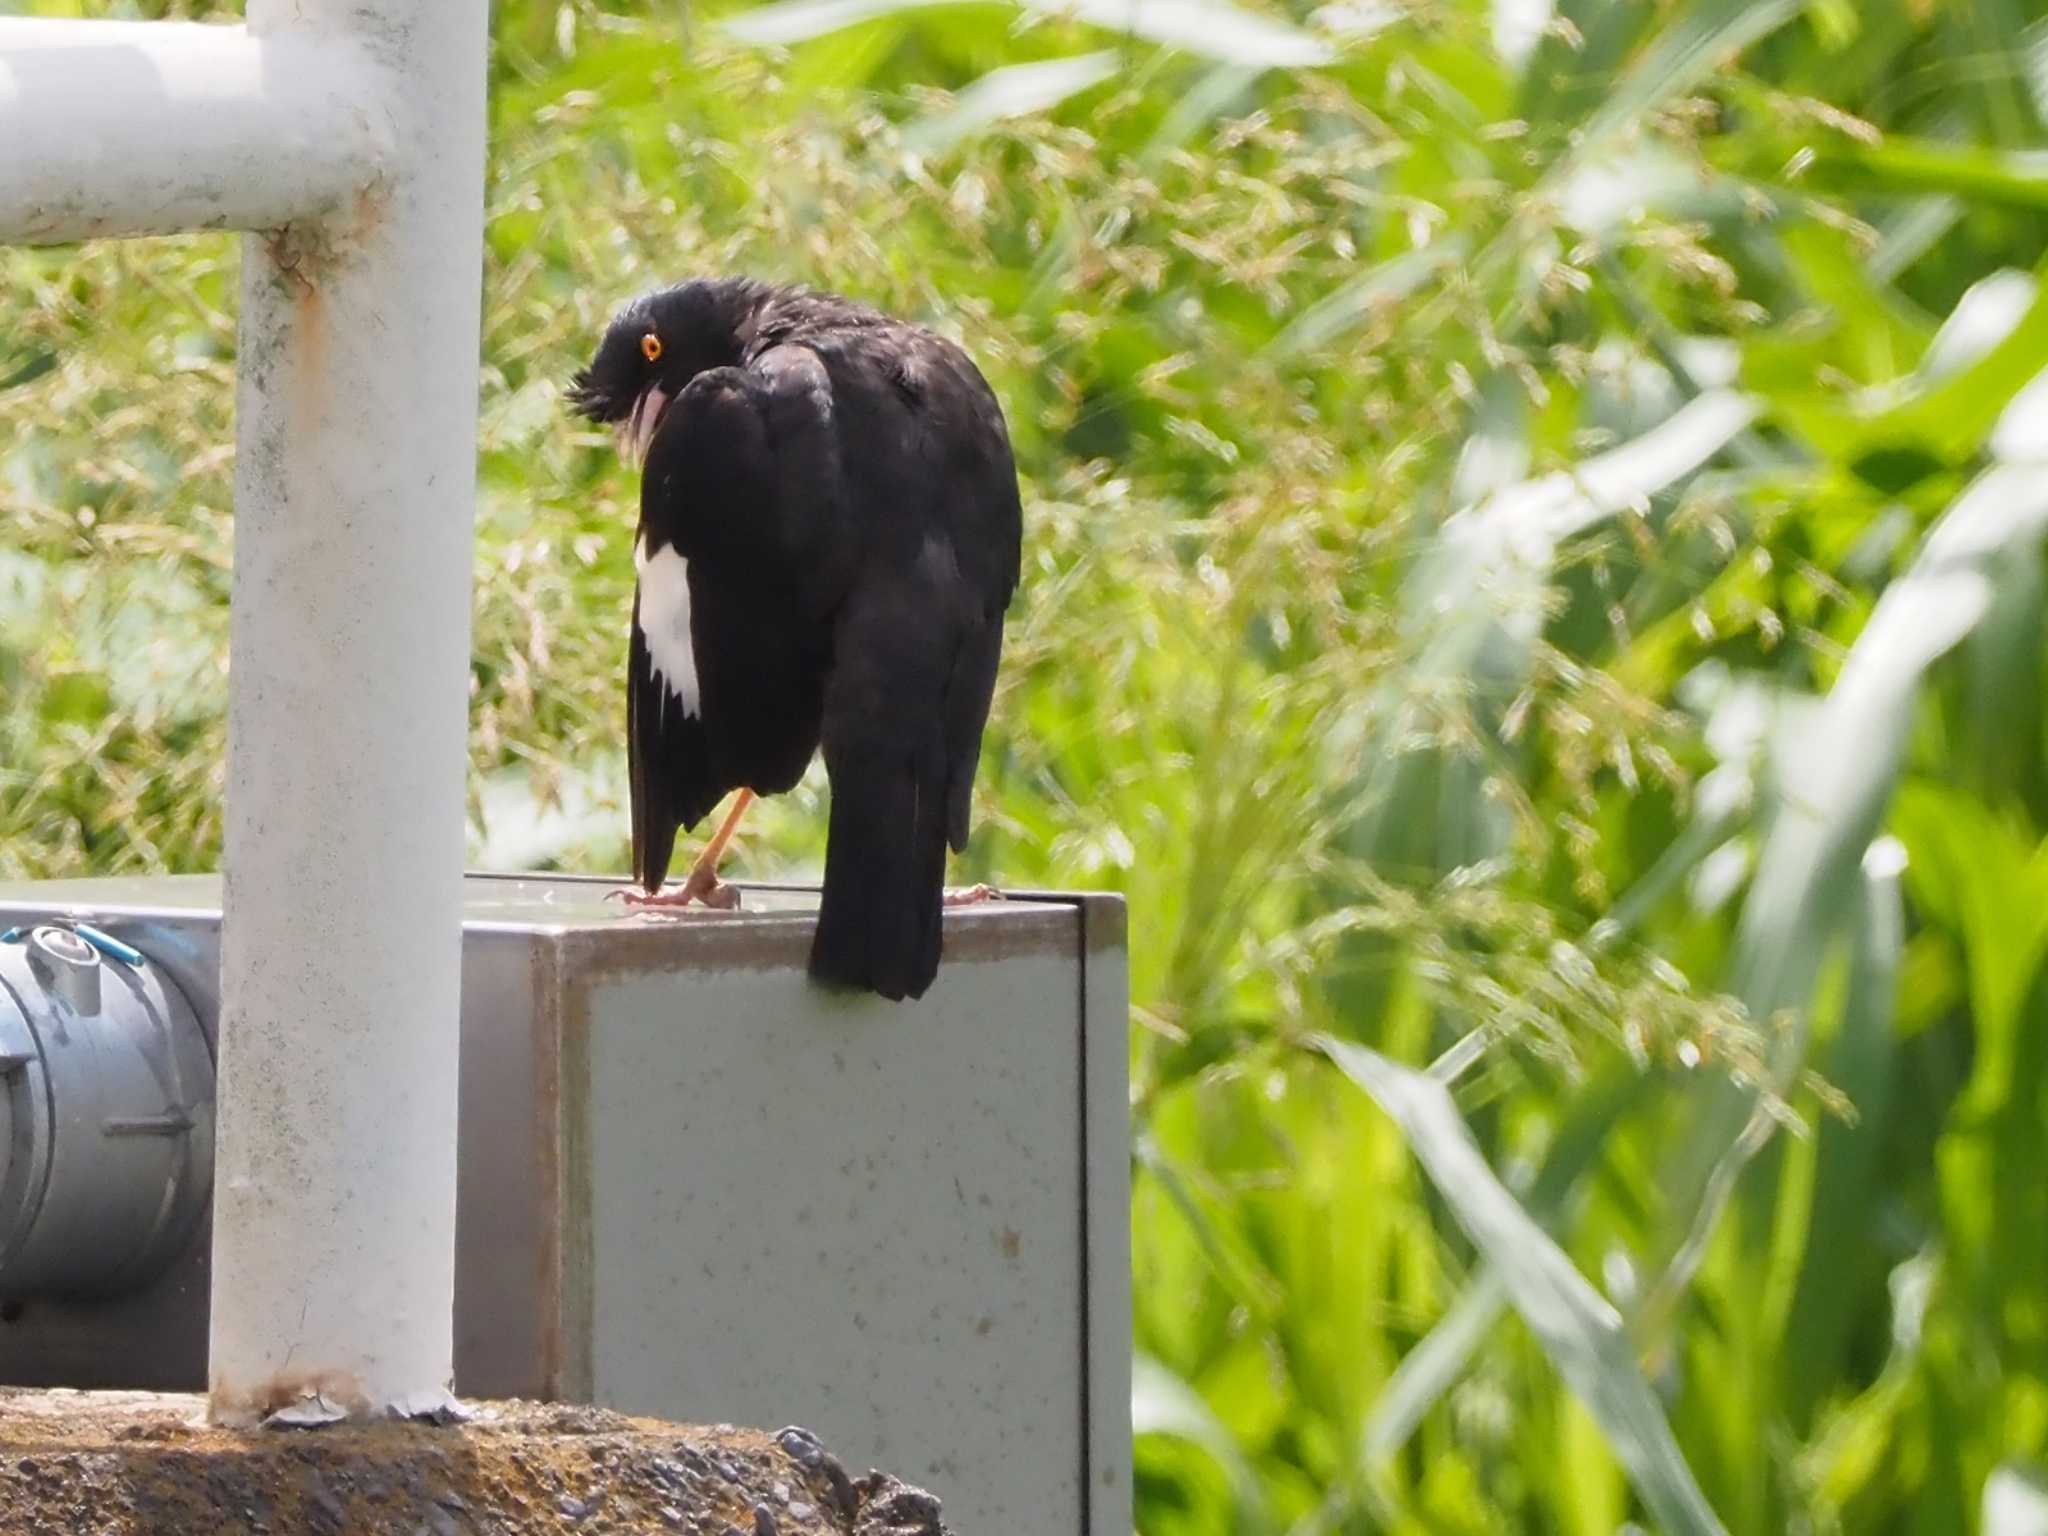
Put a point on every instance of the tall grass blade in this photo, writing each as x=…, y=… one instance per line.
x=1163, y=1404
x=1487, y=572
x=1016, y=90
x=1835, y=782
x=1473, y=609
x=1206, y=27
x=1430, y=1369
x=1902, y=166
x=798, y=21
x=2020, y=435
x=1860, y=1063
x=1338, y=312
x=1703, y=36
x=1579, y=1331
x=2016, y=1501
x=1211, y=28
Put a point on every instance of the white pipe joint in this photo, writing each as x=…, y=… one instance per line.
x=112, y=128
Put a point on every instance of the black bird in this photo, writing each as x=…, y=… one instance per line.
x=829, y=534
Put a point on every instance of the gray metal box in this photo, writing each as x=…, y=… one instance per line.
x=695, y=1186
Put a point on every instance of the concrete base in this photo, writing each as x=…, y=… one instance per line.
x=141, y=1464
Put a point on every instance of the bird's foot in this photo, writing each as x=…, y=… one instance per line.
x=972, y=895
x=722, y=896
x=701, y=888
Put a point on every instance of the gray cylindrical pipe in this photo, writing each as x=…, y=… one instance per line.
x=106, y=1118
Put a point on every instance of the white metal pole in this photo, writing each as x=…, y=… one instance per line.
x=333, y=1269
x=148, y=128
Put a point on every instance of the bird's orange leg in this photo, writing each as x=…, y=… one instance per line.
x=702, y=883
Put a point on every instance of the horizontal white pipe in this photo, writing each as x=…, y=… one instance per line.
x=111, y=128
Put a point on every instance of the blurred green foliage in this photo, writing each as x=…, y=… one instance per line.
x=1533, y=588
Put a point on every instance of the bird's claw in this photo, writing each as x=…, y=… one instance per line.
x=972, y=895
x=701, y=888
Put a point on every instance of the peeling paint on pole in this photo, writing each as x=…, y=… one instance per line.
x=335, y=1187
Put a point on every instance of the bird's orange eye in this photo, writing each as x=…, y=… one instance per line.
x=650, y=347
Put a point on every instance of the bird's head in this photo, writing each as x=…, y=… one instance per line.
x=655, y=346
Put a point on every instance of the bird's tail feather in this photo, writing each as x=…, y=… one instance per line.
x=885, y=868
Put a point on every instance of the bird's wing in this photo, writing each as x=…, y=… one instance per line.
x=985, y=524
x=741, y=479
x=744, y=470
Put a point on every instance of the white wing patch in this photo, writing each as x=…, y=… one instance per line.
x=665, y=620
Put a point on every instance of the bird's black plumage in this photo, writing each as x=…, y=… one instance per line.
x=829, y=535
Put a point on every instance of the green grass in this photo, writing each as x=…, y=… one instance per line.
x=1533, y=588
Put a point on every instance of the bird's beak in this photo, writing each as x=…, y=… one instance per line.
x=637, y=430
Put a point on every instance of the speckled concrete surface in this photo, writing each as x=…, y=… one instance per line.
x=129, y=1464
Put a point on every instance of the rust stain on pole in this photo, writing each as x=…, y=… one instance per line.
x=289, y=1388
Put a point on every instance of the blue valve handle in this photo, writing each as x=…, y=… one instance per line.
x=105, y=943
x=109, y=946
